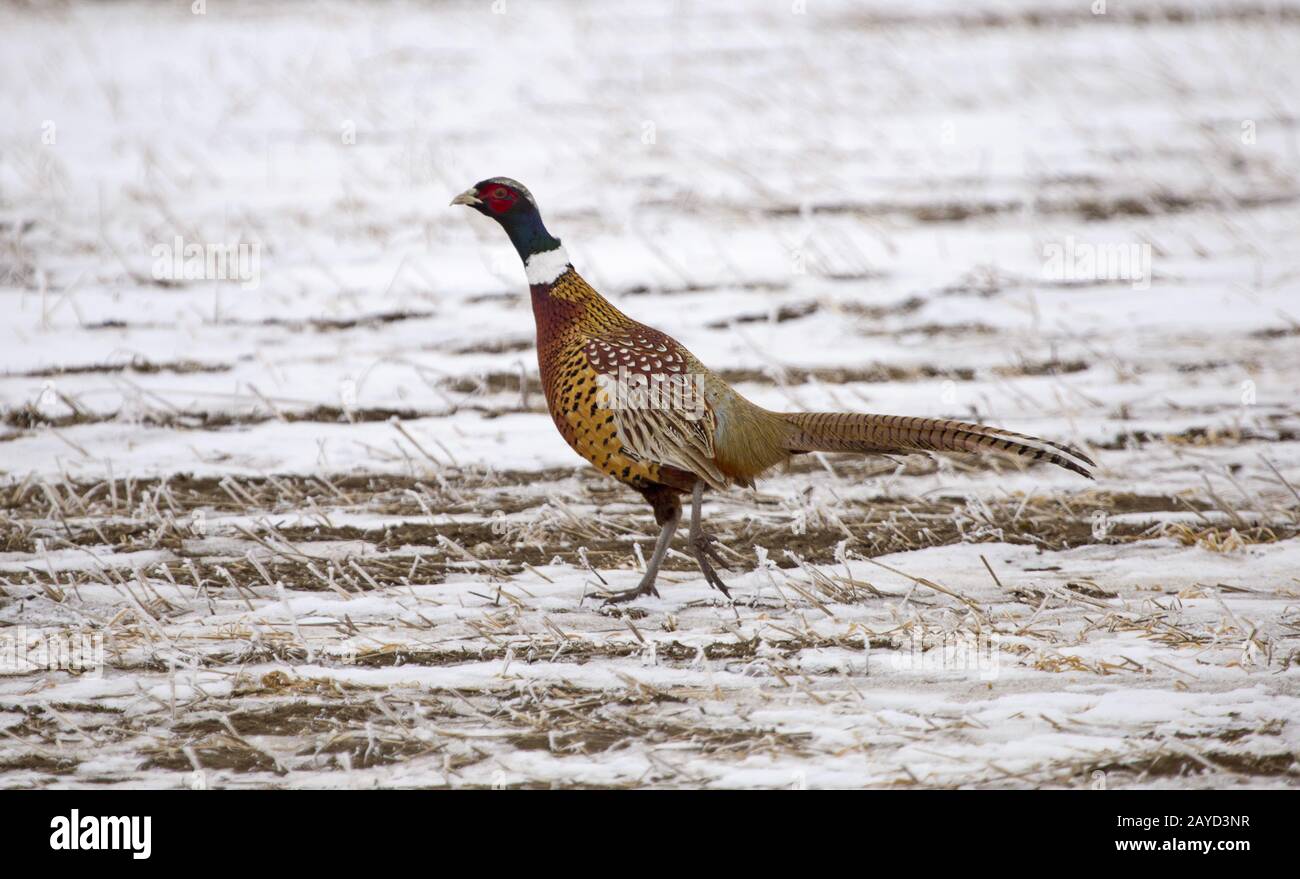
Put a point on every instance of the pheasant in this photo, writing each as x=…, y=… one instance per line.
x=642, y=409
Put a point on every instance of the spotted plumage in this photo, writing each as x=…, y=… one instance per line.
x=572, y=319
x=642, y=409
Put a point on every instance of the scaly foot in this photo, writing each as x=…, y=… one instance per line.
x=701, y=547
x=642, y=588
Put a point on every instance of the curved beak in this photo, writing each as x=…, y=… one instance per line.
x=468, y=197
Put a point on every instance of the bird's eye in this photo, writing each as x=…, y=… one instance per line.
x=501, y=192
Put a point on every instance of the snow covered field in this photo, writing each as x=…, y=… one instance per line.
x=320, y=525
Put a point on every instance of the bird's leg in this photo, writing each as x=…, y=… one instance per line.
x=701, y=544
x=668, y=513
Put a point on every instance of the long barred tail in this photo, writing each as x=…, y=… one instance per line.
x=900, y=434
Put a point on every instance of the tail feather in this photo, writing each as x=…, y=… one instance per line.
x=900, y=434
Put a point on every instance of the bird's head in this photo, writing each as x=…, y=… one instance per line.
x=511, y=204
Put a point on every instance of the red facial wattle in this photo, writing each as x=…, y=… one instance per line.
x=499, y=204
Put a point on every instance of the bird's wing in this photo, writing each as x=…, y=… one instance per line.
x=657, y=401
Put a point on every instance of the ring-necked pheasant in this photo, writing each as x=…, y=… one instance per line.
x=699, y=432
